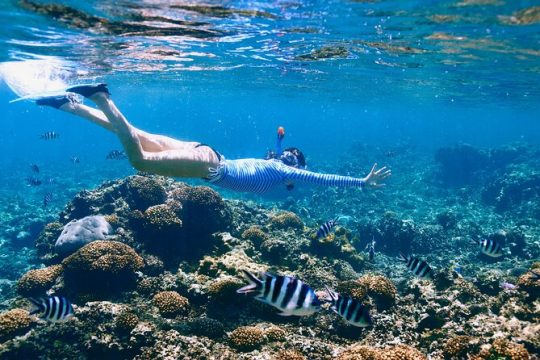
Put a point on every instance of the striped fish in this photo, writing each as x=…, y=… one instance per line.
x=52, y=308
x=490, y=247
x=326, y=228
x=351, y=310
x=47, y=198
x=418, y=267
x=288, y=294
x=49, y=135
x=116, y=155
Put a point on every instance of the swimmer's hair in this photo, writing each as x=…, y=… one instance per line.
x=299, y=156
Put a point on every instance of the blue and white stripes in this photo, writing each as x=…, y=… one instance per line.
x=260, y=176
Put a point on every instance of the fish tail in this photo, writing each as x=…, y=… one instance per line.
x=36, y=306
x=403, y=257
x=254, y=283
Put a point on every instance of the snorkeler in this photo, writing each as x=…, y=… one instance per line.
x=162, y=155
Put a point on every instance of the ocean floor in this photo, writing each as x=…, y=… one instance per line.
x=161, y=284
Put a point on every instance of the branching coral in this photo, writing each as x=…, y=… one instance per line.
x=247, y=338
x=170, y=303
x=285, y=220
x=37, y=281
x=14, y=322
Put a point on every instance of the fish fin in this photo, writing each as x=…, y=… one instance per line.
x=331, y=293
x=254, y=283
x=403, y=257
x=283, y=313
x=37, y=96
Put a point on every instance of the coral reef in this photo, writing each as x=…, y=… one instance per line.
x=286, y=220
x=78, y=233
x=101, y=267
x=143, y=192
x=14, y=322
x=170, y=303
x=38, y=281
x=255, y=234
x=379, y=288
x=399, y=352
x=126, y=321
x=206, y=326
x=247, y=338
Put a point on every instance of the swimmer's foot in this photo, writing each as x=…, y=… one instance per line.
x=89, y=90
x=57, y=101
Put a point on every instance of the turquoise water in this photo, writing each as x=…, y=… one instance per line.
x=352, y=82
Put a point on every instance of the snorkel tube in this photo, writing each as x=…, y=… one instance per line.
x=280, y=136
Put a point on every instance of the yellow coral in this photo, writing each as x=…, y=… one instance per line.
x=224, y=288
x=126, y=321
x=255, y=234
x=170, y=303
x=161, y=217
x=378, y=287
x=285, y=220
x=275, y=333
x=14, y=322
x=459, y=346
x=289, y=355
x=247, y=338
x=104, y=256
x=510, y=350
x=38, y=281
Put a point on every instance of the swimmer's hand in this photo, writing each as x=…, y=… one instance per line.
x=375, y=177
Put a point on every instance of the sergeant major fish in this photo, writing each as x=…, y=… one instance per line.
x=418, y=267
x=288, y=294
x=32, y=181
x=326, y=228
x=49, y=135
x=490, y=247
x=351, y=310
x=47, y=198
x=52, y=308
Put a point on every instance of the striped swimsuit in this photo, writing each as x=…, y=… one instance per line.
x=260, y=176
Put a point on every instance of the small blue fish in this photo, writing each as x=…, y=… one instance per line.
x=52, y=308
x=288, y=294
x=326, y=228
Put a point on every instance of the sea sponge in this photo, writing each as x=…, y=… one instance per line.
x=509, y=350
x=203, y=211
x=143, y=192
x=13, y=323
x=378, y=287
x=224, y=288
x=38, y=281
x=247, y=338
x=204, y=326
x=126, y=321
x=170, y=303
x=530, y=283
x=289, y=355
x=459, y=346
x=102, y=266
x=285, y=220
x=255, y=234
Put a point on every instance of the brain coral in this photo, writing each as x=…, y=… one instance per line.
x=247, y=338
x=285, y=220
x=102, y=266
x=170, y=303
x=14, y=322
x=143, y=192
x=38, y=281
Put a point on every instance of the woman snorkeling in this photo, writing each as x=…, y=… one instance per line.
x=162, y=155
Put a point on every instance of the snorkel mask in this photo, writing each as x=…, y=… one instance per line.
x=293, y=157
